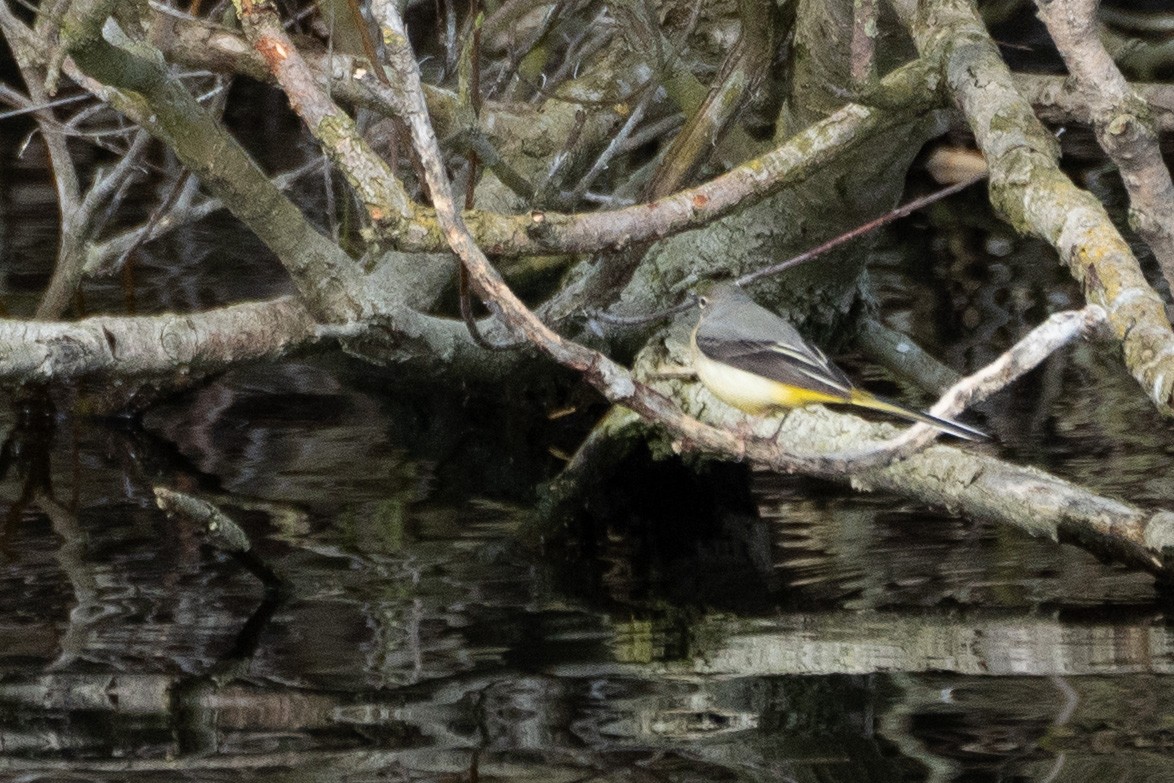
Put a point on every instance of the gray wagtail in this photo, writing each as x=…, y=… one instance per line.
x=754, y=360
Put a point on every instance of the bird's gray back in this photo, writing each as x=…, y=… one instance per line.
x=736, y=330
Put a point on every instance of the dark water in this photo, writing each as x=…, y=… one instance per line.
x=792, y=632
x=827, y=637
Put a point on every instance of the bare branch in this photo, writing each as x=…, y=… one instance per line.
x=1036, y=346
x=74, y=222
x=901, y=356
x=376, y=185
x=82, y=225
x=1123, y=123
x=325, y=276
x=1056, y=99
x=1032, y=193
x=126, y=347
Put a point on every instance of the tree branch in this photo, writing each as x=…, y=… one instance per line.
x=1028, y=353
x=378, y=188
x=126, y=347
x=1056, y=99
x=1031, y=192
x=325, y=276
x=1123, y=123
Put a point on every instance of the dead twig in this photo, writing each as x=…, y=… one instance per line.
x=1021, y=358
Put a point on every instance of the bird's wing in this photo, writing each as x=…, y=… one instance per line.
x=793, y=364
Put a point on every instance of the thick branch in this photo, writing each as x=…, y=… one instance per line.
x=377, y=187
x=327, y=279
x=1124, y=127
x=1056, y=99
x=1029, y=189
x=167, y=345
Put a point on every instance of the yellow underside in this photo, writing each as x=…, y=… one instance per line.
x=753, y=393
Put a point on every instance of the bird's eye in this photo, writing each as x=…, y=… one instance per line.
x=703, y=302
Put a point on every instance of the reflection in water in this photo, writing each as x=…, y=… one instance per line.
x=417, y=639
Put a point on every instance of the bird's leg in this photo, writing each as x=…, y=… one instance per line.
x=744, y=429
x=782, y=423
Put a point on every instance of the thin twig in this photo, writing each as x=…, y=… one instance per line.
x=108, y=256
x=1024, y=356
x=893, y=215
x=889, y=217
x=610, y=151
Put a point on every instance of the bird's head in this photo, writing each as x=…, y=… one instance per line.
x=714, y=293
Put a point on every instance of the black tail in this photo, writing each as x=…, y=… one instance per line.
x=871, y=401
